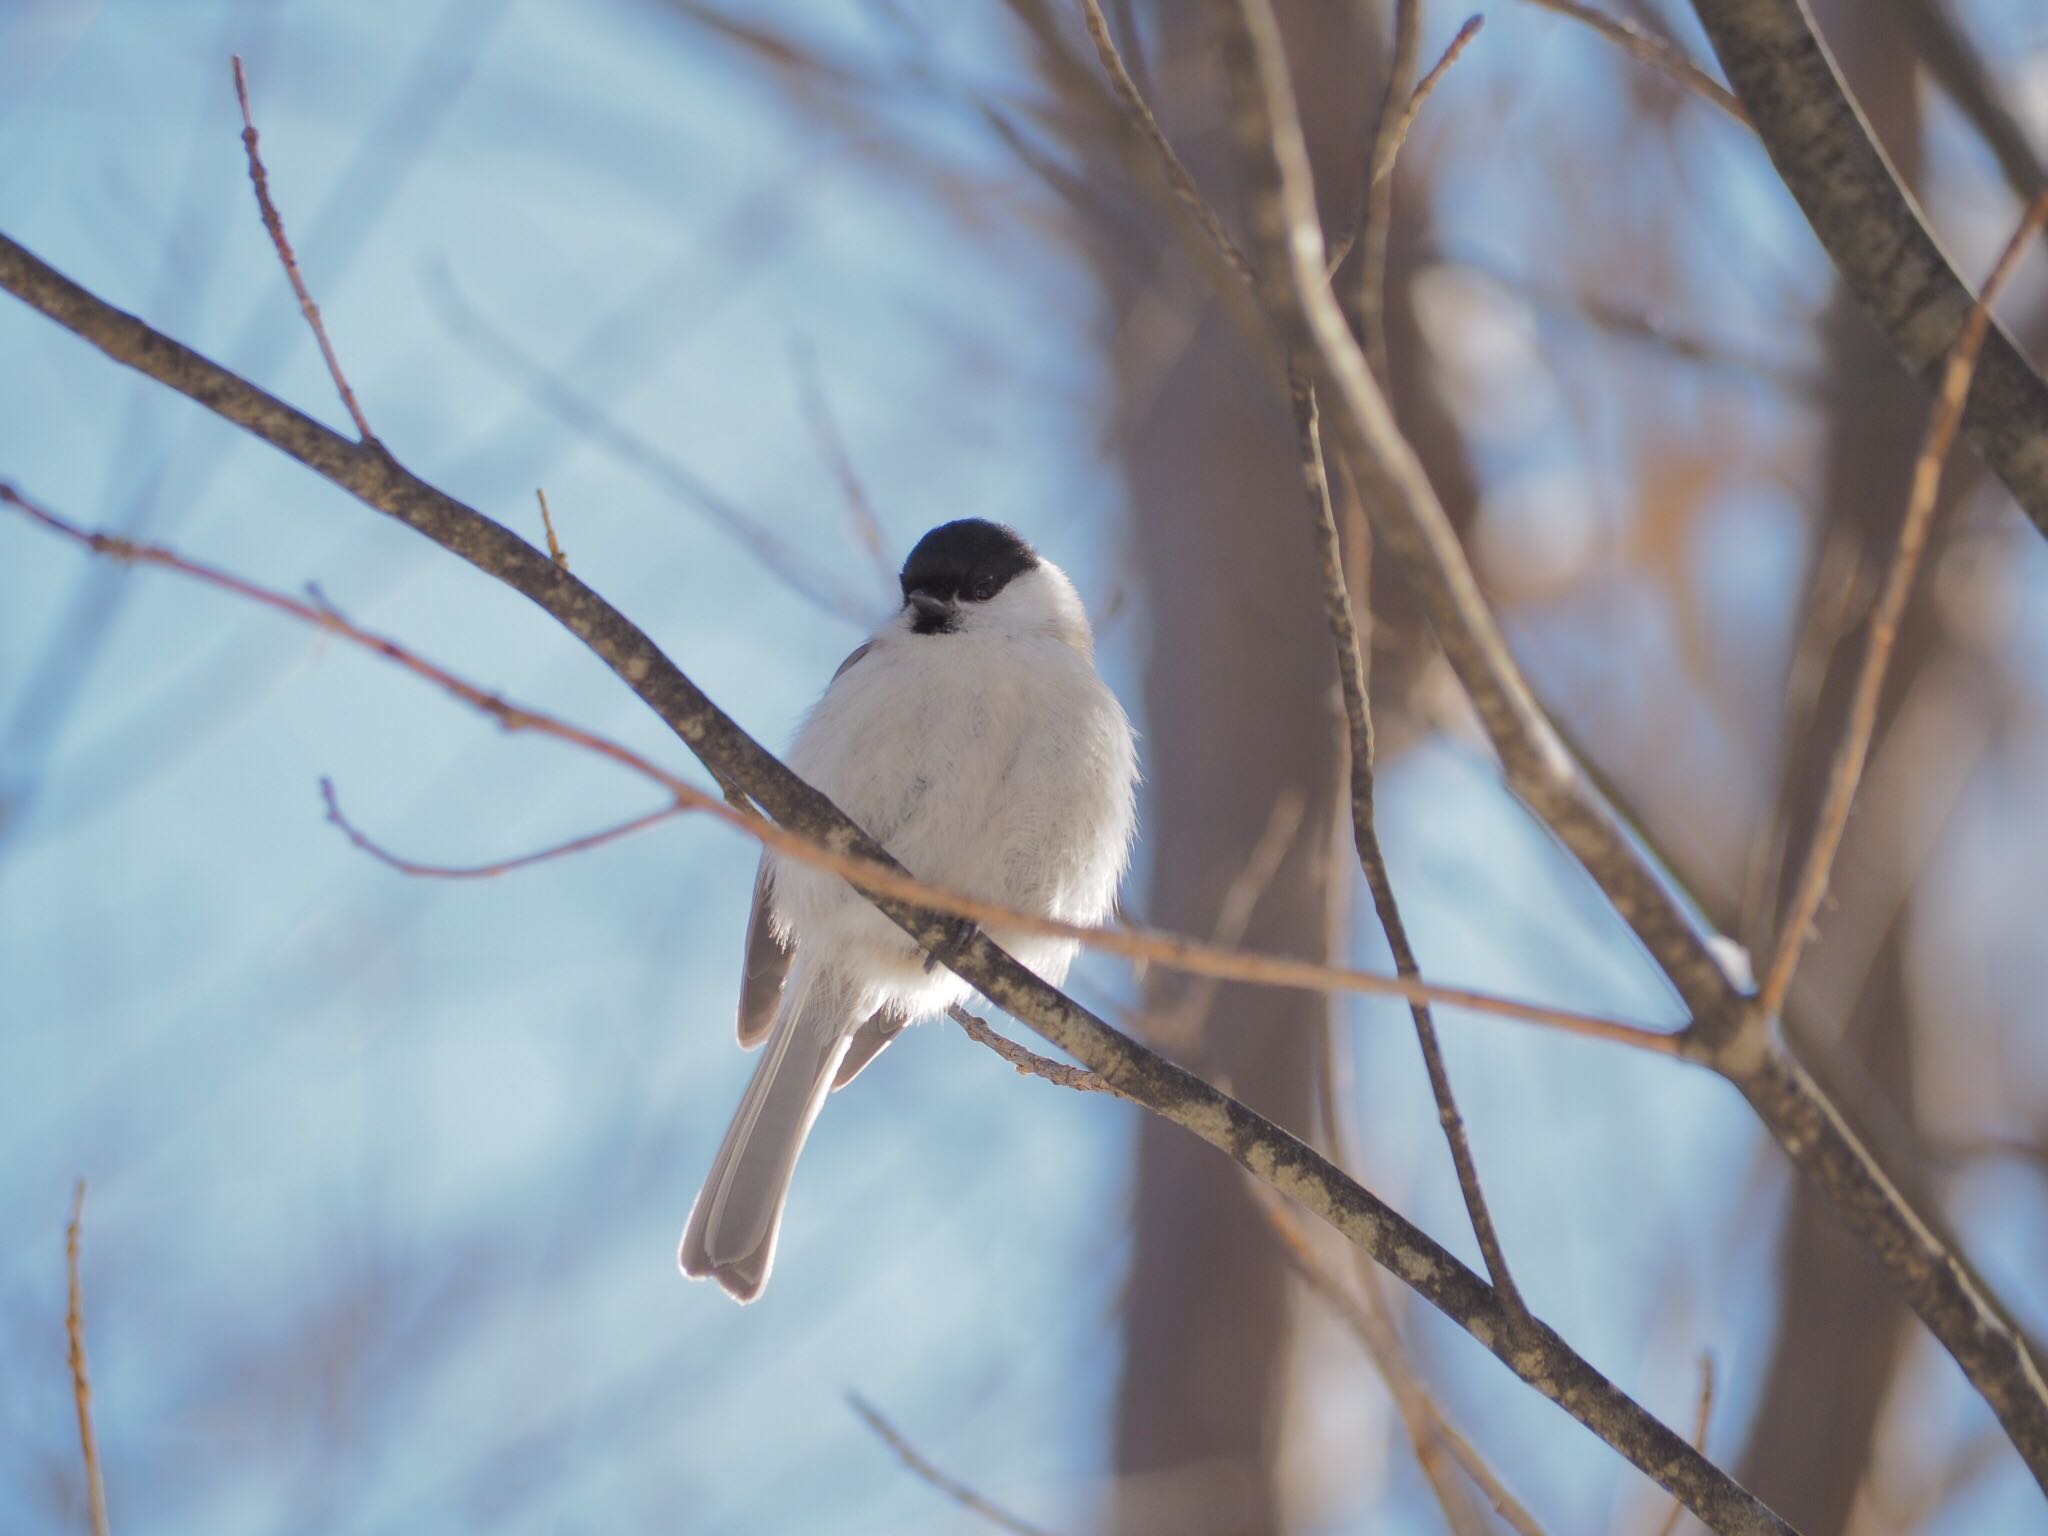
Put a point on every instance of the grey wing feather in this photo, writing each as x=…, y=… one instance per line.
x=766, y=967
x=868, y=1043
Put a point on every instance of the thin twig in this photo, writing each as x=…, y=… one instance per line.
x=561, y=399
x=1702, y=1417
x=951, y=1487
x=1350, y=655
x=547, y=521
x=1030, y=1063
x=1374, y=1331
x=1427, y=85
x=1181, y=1025
x=1376, y=214
x=1846, y=769
x=1170, y=950
x=1132, y=101
x=1380, y=167
x=1648, y=48
x=413, y=867
x=81, y=1378
x=860, y=512
x=275, y=224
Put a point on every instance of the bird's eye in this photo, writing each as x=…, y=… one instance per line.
x=983, y=590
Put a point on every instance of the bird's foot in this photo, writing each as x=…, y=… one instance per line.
x=960, y=932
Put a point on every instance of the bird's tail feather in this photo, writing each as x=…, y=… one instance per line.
x=733, y=1227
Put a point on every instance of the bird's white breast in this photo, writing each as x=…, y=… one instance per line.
x=998, y=766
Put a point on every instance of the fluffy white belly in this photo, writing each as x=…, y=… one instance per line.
x=997, y=769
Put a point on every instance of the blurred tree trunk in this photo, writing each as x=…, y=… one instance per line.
x=1840, y=1327
x=1239, y=709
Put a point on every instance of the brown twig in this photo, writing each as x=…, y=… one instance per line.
x=1376, y=211
x=1132, y=101
x=868, y=873
x=1702, y=1417
x=1181, y=1025
x=1845, y=772
x=951, y=1487
x=81, y=1378
x=860, y=512
x=547, y=521
x=1350, y=655
x=1535, y=1354
x=275, y=224
x=660, y=468
x=1419, y=1410
x=1429, y=82
x=1380, y=162
x=1030, y=1063
x=405, y=866
x=1648, y=48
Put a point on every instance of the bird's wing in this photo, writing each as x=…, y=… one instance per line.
x=868, y=1043
x=765, y=968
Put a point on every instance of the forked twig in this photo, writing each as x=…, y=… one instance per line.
x=1125, y=90
x=260, y=179
x=1029, y=1063
x=1387, y=142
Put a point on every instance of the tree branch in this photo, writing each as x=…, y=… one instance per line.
x=1534, y=1352
x=1738, y=1040
x=1872, y=230
x=1365, y=837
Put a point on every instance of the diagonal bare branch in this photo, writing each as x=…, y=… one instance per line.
x=1535, y=1353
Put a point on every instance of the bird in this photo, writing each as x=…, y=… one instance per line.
x=972, y=737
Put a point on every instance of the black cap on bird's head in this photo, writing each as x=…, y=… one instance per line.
x=968, y=561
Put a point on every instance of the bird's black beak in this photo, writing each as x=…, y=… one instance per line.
x=932, y=615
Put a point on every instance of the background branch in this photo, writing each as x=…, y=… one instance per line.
x=1737, y=1039
x=1873, y=232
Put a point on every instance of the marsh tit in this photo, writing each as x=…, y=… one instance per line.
x=972, y=738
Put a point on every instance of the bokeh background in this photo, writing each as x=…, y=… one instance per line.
x=386, y=1174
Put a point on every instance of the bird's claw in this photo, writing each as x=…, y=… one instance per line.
x=960, y=932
